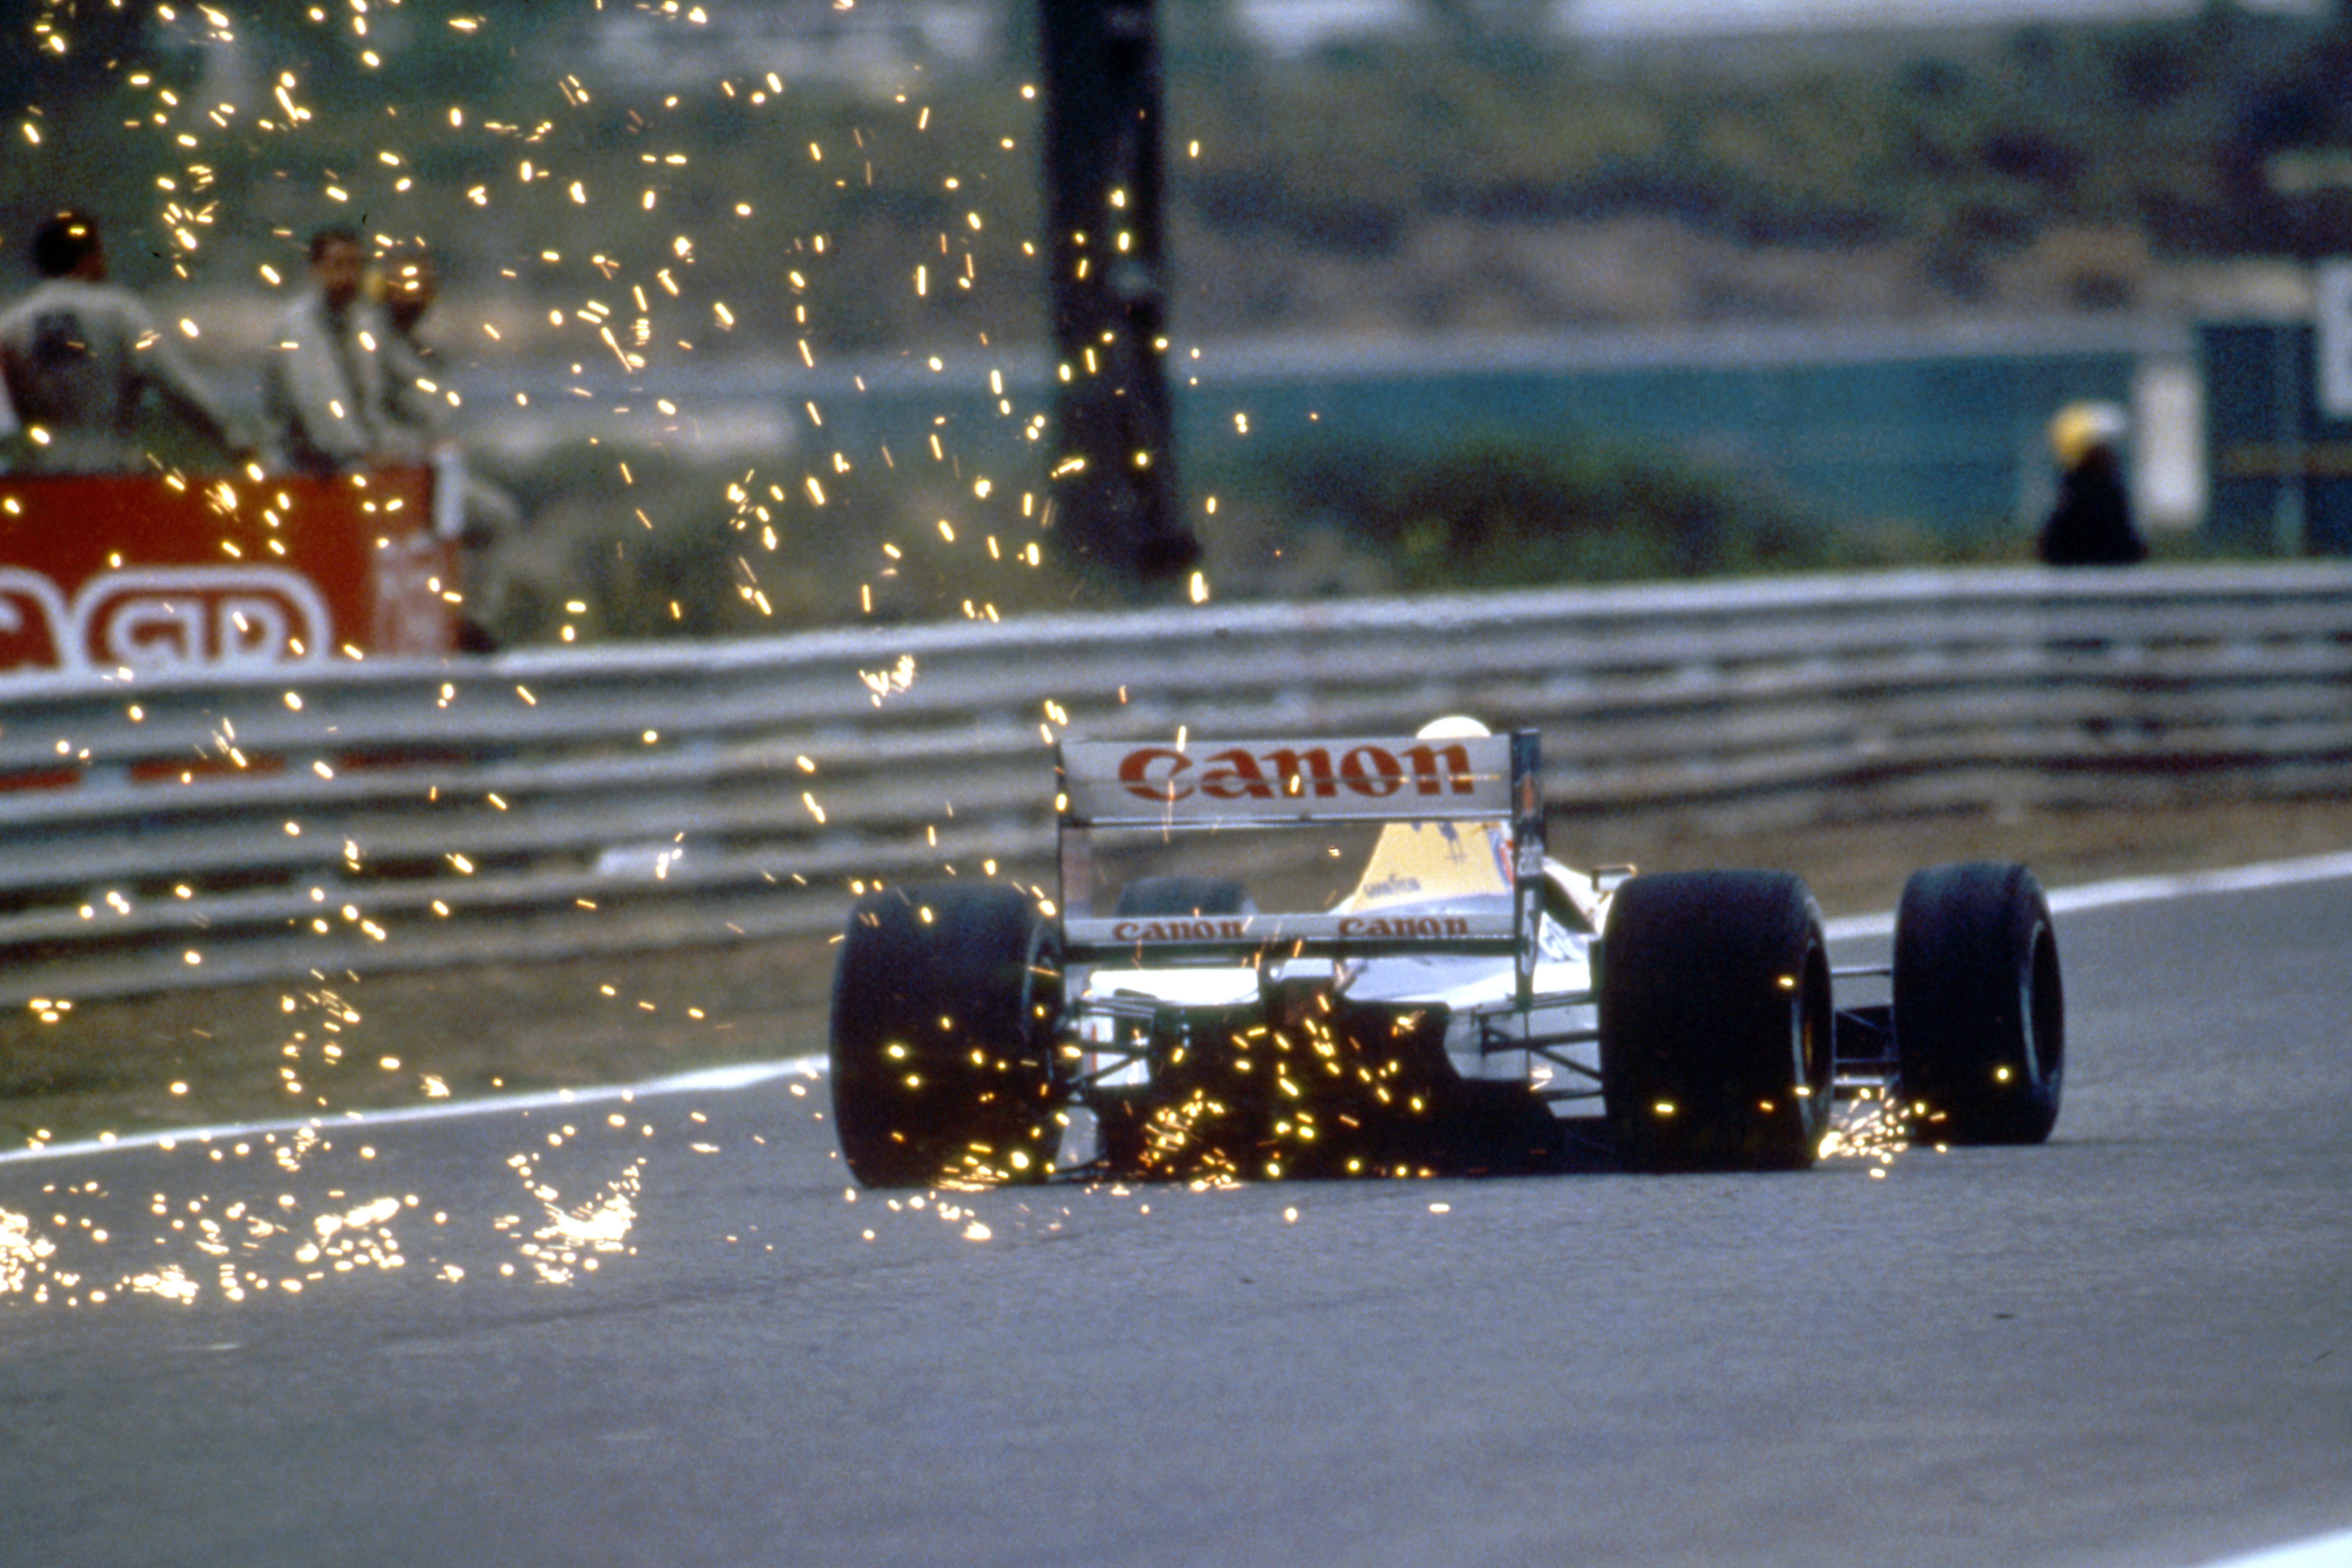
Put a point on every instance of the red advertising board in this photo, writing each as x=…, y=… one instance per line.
x=149, y=572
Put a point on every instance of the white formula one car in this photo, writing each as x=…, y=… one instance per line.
x=1462, y=1004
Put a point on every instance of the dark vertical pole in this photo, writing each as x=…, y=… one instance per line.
x=1113, y=479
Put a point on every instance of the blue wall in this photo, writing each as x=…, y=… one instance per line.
x=1954, y=443
x=1942, y=428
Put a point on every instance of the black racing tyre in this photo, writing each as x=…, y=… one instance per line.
x=1979, y=1010
x=1181, y=896
x=945, y=1001
x=1716, y=1022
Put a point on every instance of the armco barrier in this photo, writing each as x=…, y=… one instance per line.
x=162, y=831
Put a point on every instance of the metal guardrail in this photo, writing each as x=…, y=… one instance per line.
x=162, y=831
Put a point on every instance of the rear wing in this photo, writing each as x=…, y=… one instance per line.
x=1206, y=785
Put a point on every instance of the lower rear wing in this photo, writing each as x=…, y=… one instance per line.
x=1163, y=938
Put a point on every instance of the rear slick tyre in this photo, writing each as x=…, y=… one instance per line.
x=1716, y=1022
x=944, y=1005
x=1980, y=1009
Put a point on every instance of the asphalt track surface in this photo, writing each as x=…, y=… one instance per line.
x=659, y=1330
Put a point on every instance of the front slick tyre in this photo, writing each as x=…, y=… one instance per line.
x=1716, y=1022
x=1980, y=1013
x=944, y=1005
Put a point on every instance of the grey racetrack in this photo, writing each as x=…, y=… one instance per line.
x=661, y=1331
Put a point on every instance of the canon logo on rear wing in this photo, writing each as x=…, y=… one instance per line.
x=1435, y=931
x=1346, y=928
x=1343, y=778
x=1291, y=772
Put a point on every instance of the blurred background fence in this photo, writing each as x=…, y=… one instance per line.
x=164, y=831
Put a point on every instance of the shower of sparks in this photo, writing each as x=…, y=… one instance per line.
x=1872, y=1128
x=618, y=273
x=638, y=306
x=241, y=1240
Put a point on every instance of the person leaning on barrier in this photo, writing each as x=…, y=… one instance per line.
x=2092, y=523
x=404, y=283
x=415, y=404
x=322, y=383
x=414, y=411
x=80, y=356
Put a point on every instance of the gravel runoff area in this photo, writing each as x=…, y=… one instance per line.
x=209, y=1056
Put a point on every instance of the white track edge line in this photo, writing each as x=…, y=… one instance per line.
x=2319, y=1552
x=718, y=1081
x=2146, y=890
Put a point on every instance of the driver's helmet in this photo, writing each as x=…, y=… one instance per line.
x=1417, y=862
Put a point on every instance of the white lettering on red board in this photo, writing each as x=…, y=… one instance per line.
x=33, y=620
x=159, y=618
